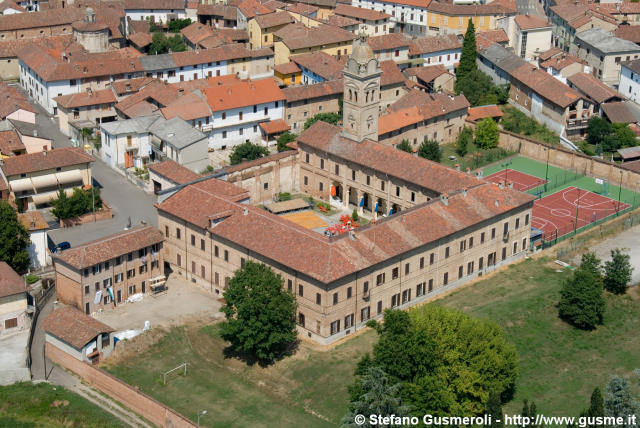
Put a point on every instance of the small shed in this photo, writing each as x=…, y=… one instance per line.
x=629, y=154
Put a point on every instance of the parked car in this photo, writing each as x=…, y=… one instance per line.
x=64, y=245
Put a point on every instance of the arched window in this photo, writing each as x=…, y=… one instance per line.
x=350, y=95
x=356, y=95
x=366, y=97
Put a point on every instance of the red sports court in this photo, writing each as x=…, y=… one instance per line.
x=520, y=180
x=556, y=214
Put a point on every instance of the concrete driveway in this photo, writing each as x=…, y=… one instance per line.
x=13, y=357
x=182, y=301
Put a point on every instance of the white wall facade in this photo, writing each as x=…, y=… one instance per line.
x=157, y=15
x=38, y=249
x=413, y=19
x=114, y=147
x=629, y=84
x=447, y=58
x=231, y=131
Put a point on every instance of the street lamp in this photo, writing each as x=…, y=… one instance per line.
x=619, y=193
x=204, y=412
x=546, y=174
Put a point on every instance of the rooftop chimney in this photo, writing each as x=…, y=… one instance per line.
x=245, y=212
x=501, y=185
x=464, y=191
x=44, y=153
x=444, y=198
x=510, y=185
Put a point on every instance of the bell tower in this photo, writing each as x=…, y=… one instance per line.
x=361, y=93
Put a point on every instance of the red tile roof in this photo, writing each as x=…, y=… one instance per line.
x=141, y=40
x=593, y=88
x=387, y=42
x=531, y=22
x=122, y=87
x=84, y=99
x=320, y=63
x=196, y=32
x=273, y=19
x=12, y=100
x=424, y=45
x=173, y=171
x=229, y=13
x=557, y=59
x=252, y=8
x=154, y=4
x=56, y=158
x=188, y=107
x=428, y=73
x=478, y=113
x=340, y=21
x=360, y=13
x=10, y=142
x=73, y=327
x=391, y=74
x=45, y=18
x=304, y=92
x=286, y=68
x=243, y=93
x=546, y=85
x=297, y=36
x=628, y=32
x=274, y=126
x=301, y=9
x=486, y=38
x=618, y=112
x=495, y=8
x=109, y=247
x=10, y=282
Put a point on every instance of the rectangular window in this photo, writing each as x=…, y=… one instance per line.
x=193, y=267
x=353, y=175
x=431, y=285
x=193, y=240
x=445, y=279
x=118, y=277
x=226, y=255
x=368, y=180
x=335, y=298
x=395, y=273
x=216, y=251
x=493, y=233
x=395, y=300
x=398, y=191
x=318, y=299
x=524, y=244
x=202, y=271
x=517, y=223
x=365, y=287
x=505, y=228
x=413, y=196
x=420, y=289
x=289, y=285
x=379, y=307
x=321, y=163
x=482, y=238
x=421, y=262
x=446, y=253
x=364, y=314
x=526, y=220
x=349, y=292
x=504, y=253
x=460, y=272
x=380, y=279
x=406, y=269
x=177, y=233
x=240, y=116
x=431, y=258
x=335, y=327
x=202, y=244
x=469, y=268
x=86, y=289
x=178, y=260
x=515, y=247
x=166, y=231
x=337, y=169
x=242, y=261
x=300, y=290
x=97, y=285
x=132, y=289
x=348, y=321
x=480, y=263
x=463, y=245
x=471, y=242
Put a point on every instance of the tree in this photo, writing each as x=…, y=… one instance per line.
x=620, y=136
x=246, y=152
x=592, y=263
x=469, y=53
x=405, y=146
x=160, y=44
x=581, y=302
x=449, y=362
x=487, y=134
x=494, y=408
x=617, y=272
x=14, y=239
x=619, y=401
x=284, y=139
x=478, y=89
x=597, y=130
x=529, y=411
x=596, y=406
x=377, y=396
x=260, y=314
x=80, y=202
x=332, y=118
x=430, y=149
x=465, y=138
x=354, y=215
x=178, y=24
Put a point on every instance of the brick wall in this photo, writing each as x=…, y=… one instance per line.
x=103, y=214
x=68, y=291
x=137, y=401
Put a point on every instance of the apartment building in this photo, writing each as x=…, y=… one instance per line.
x=262, y=28
x=296, y=39
x=570, y=19
x=532, y=36
x=13, y=301
x=630, y=80
x=394, y=46
x=85, y=110
x=410, y=16
x=305, y=101
x=370, y=22
x=104, y=273
x=158, y=11
x=445, y=50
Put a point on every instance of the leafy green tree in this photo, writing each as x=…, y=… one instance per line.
x=597, y=130
x=332, y=118
x=377, y=396
x=260, y=314
x=529, y=410
x=354, y=215
x=596, y=406
x=464, y=140
x=80, y=202
x=619, y=401
x=592, y=263
x=178, y=24
x=581, y=302
x=405, y=146
x=478, y=89
x=430, y=149
x=469, y=52
x=617, y=272
x=620, y=136
x=284, y=139
x=160, y=44
x=14, y=239
x=494, y=408
x=449, y=362
x=246, y=152
x=487, y=134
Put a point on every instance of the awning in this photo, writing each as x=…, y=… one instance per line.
x=44, y=181
x=21, y=185
x=46, y=197
x=71, y=176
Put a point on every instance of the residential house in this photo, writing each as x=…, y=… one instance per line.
x=305, y=101
x=158, y=11
x=38, y=250
x=484, y=39
x=127, y=143
x=445, y=50
x=561, y=108
x=597, y=92
x=418, y=115
x=392, y=84
x=35, y=179
x=604, y=52
x=239, y=107
x=325, y=8
x=475, y=114
x=393, y=46
x=498, y=62
x=348, y=24
x=410, y=16
x=569, y=19
x=85, y=110
x=104, y=273
x=318, y=67
x=295, y=39
x=371, y=22
x=218, y=15
x=270, y=131
x=433, y=78
x=177, y=140
x=532, y=36
x=630, y=80
x=167, y=174
x=10, y=144
x=29, y=135
x=14, y=105
x=288, y=73
x=561, y=65
x=262, y=28
x=47, y=23
x=195, y=33
x=249, y=9
x=13, y=300
x=451, y=18
x=307, y=14
x=82, y=337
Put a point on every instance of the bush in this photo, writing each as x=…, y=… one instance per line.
x=32, y=279
x=431, y=150
x=284, y=139
x=464, y=140
x=617, y=272
x=405, y=146
x=285, y=196
x=80, y=202
x=581, y=303
x=354, y=215
x=487, y=134
x=247, y=152
x=332, y=118
x=586, y=149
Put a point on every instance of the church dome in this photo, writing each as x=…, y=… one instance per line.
x=362, y=52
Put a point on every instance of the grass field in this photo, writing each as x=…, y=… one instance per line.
x=560, y=178
x=44, y=405
x=559, y=366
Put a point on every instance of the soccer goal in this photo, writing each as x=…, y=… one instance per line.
x=182, y=366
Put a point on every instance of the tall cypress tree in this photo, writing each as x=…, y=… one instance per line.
x=469, y=53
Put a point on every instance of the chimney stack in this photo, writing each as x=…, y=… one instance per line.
x=444, y=198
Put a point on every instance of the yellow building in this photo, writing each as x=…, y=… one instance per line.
x=288, y=73
x=262, y=27
x=296, y=39
x=447, y=18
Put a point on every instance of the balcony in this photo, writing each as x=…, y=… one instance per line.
x=577, y=123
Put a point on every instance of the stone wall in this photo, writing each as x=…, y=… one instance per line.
x=104, y=214
x=142, y=404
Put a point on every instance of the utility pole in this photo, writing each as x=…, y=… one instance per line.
x=546, y=175
x=619, y=194
x=575, y=225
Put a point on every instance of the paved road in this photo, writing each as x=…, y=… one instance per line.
x=530, y=7
x=129, y=202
